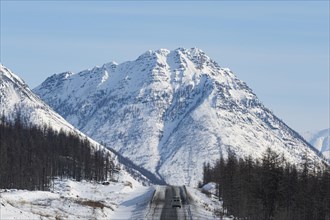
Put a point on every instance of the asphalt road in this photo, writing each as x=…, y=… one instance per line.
x=161, y=208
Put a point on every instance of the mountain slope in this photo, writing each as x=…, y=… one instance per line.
x=171, y=111
x=320, y=140
x=16, y=99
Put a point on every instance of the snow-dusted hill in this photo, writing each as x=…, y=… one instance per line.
x=320, y=140
x=170, y=112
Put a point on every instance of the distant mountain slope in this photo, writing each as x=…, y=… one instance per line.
x=16, y=99
x=320, y=140
x=170, y=112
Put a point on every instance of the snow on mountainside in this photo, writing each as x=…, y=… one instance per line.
x=171, y=111
x=17, y=99
x=320, y=140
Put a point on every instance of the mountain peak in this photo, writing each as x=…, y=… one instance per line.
x=17, y=98
x=163, y=51
x=150, y=54
x=111, y=64
x=193, y=50
x=172, y=111
x=4, y=71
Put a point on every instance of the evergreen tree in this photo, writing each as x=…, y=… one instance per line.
x=271, y=189
x=30, y=157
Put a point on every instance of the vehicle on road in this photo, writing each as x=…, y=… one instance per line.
x=176, y=202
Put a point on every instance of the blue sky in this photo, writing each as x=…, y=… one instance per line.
x=279, y=48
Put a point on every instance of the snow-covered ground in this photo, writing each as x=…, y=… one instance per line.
x=69, y=199
x=205, y=206
x=210, y=188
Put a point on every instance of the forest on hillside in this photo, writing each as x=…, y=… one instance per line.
x=270, y=188
x=31, y=156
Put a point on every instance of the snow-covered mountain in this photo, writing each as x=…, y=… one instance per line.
x=320, y=140
x=16, y=99
x=170, y=112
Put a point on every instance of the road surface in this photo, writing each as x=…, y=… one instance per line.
x=160, y=206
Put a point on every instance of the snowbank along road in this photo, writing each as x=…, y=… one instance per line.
x=161, y=204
